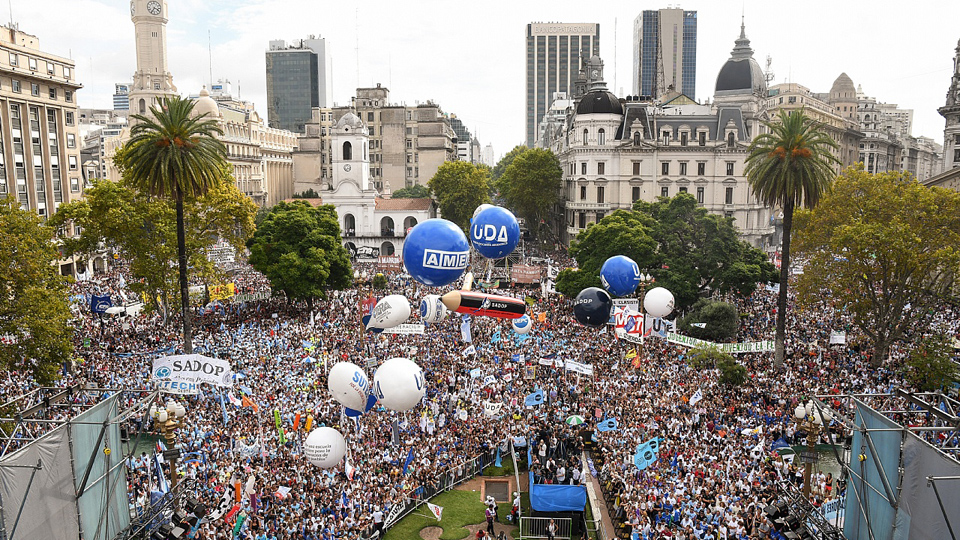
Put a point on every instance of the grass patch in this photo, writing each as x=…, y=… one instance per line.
x=459, y=508
x=507, y=468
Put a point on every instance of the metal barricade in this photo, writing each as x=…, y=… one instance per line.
x=536, y=527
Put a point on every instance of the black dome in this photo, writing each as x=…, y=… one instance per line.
x=599, y=102
x=735, y=75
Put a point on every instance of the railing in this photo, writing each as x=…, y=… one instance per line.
x=536, y=527
x=142, y=525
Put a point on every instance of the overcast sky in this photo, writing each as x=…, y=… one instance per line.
x=469, y=56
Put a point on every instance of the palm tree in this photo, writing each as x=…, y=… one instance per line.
x=173, y=153
x=790, y=166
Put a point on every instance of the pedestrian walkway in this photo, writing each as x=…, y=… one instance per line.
x=595, y=499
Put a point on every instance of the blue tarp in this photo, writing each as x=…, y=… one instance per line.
x=556, y=498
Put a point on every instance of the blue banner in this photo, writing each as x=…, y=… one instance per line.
x=610, y=424
x=647, y=454
x=99, y=304
x=534, y=399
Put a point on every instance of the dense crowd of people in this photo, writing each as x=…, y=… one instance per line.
x=714, y=471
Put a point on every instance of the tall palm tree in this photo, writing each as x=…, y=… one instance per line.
x=173, y=153
x=790, y=166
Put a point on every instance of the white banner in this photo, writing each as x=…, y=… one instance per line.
x=838, y=338
x=545, y=361
x=657, y=327
x=193, y=368
x=633, y=304
x=697, y=396
x=437, y=511
x=492, y=409
x=729, y=348
x=585, y=369
x=406, y=328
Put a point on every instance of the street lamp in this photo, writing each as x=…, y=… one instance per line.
x=812, y=421
x=167, y=420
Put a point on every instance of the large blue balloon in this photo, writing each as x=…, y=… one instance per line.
x=592, y=307
x=436, y=252
x=494, y=232
x=620, y=275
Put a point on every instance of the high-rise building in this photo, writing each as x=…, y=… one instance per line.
x=665, y=52
x=554, y=53
x=121, y=97
x=39, y=146
x=152, y=79
x=298, y=79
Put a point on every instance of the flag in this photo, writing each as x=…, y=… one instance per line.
x=247, y=402
x=283, y=492
x=697, y=396
x=497, y=461
x=496, y=336
x=408, y=461
x=517, y=358
x=647, y=454
x=602, y=331
x=437, y=511
x=471, y=350
x=465, y=330
x=223, y=408
x=489, y=379
x=534, y=399
x=313, y=319
x=395, y=432
x=254, y=501
x=610, y=424
x=350, y=470
x=475, y=372
x=162, y=485
x=223, y=506
x=233, y=399
x=631, y=354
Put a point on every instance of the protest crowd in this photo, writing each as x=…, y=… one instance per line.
x=714, y=470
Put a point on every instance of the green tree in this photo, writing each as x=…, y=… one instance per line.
x=415, y=191
x=505, y=161
x=531, y=186
x=173, y=153
x=885, y=249
x=459, y=187
x=298, y=248
x=308, y=194
x=930, y=365
x=379, y=281
x=705, y=357
x=699, y=253
x=720, y=321
x=33, y=296
x=790, y=166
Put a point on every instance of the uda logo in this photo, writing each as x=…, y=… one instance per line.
x=488, y=235
x=445, y=260
x=162, y=372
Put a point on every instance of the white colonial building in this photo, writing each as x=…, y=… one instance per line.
x=372, y=224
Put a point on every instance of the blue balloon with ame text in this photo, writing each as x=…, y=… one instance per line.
x=436, y=252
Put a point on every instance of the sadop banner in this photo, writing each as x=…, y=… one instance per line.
x=193, y=368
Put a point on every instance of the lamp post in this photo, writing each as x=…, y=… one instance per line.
x=812, y=422
x=167, y=421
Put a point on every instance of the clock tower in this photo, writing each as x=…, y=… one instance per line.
x=350, y=147
x=951, y=113
x=152, y=79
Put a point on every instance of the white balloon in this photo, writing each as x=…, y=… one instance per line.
x=324, y=447
x=522, y=325
x=481, y=208
x=658, y=302
x=348, y=384
x=432, y=309
x=399, y=384
x=390, y=311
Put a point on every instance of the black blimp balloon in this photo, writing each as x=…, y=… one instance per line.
x=592, y=307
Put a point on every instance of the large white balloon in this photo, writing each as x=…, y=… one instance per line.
x=522, y=325
x=658, y=302
x=399, y=384
x=348, y=384
x=390, y=311
x=324, y=447
x=432, y=309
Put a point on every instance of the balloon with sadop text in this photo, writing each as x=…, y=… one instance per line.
x=592, y=307
x=494, y=232
x=348, y=384
x=432, y=309
x=436, y=252
x=399, y=384
x=390, y=311
x=324, y=447
x=658, y=302
x=522, y=325
x=620, y=275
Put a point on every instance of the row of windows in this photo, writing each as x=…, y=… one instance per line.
x=664, y=192
x=664, y=168
x=52, y=91
x=32, y=63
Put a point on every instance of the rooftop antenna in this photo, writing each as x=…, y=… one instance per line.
x=10, y=4
x=210, y=54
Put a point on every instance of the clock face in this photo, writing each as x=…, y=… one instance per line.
x=346, y=167
x=594, y=73
x=153, y=7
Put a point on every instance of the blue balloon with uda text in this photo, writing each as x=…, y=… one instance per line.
x=494, y=232
x=436, y=252
x=620, y=275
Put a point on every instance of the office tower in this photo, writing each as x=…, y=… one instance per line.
x=298, y=79
x=121, y=97
x=665, y=52
x=554, y=55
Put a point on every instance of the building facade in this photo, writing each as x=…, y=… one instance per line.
x=298, y=79
x=665, y=52
x=951, y=115
x=615, y=152
x=554, y=53
x=121, y=97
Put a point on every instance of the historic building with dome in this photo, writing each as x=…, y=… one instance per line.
x=615, y=152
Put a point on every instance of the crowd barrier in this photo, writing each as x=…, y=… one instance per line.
x=536, y=527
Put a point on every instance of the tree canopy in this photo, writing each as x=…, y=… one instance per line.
x=531, y=186
x=33, y=296
x=415, y=191
x=298, y=248
x=711, y=320
x=930, y=365
x=459, y=187
x=883, y=248
x=506, y=160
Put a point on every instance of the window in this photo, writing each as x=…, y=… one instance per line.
x=636, y=168
x=683, y=139
x=700, y=195
x=665, y=191
x=32, y=62
x=666, y=137
x=665, y=167
x=599, y=194
x=369, y=117
x=583, y=168
x=15, y=85
x=683, y=189
x=583, y=220
x=583, y=193
x=34, y=89
x=69, y=118
x=49, y=68
x=731, y=139
x=956, y=156
x=702, y=136
x=683, y=168
x=72, y=160
x=601, y=137
x=585, y=134
x=636, y=138
x=701, y=169
x=635, y=194
x=66, y=72
x=53, y=93
x=348, y=151
x=729, y=169
x=600, y=167
x=728, y=198
x=13, y=59
x=68, y=96
x=71, y=140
